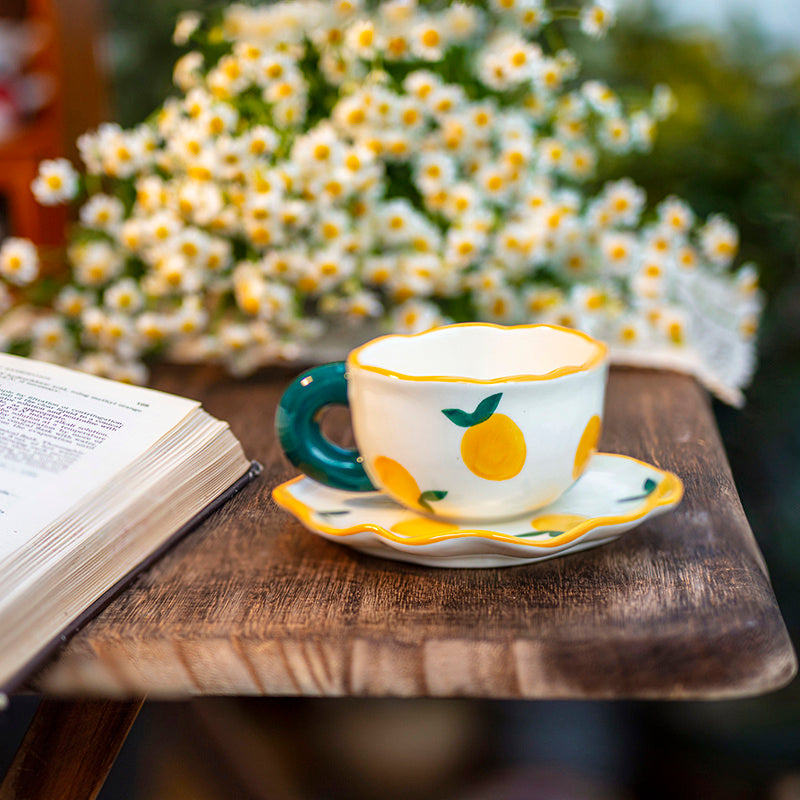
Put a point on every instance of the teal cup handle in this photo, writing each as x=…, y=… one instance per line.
x=297, y=427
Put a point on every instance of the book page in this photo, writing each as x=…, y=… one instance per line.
x=65, y=433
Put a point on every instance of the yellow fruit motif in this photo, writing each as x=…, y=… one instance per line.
x=556, y=522
x=400, y=484
x=587, y=446
x=493, y=446
x=397, y=480
x=495, y=449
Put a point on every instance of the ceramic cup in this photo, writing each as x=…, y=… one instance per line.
x=470, y=421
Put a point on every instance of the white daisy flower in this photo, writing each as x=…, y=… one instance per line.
x=72, y=302
x=548, y=74
x=625, y=201
x=19, y=261
x=188, y=22
x=361, y=305
x=153, y=328
x=102, y=211
x=261, y=140
x=133, y=372
x=50, y=334
x=462, y=199
x=500, y=305
x=676, y=215
x=57, y=182
x=664, y=103
x=187, y=72
x=379, y=270
x=553, y=155
x=99, y=364
x=415, y=316
x=541, y=301
x=630, y=330
x=95, y=263
x=618, y=251
x=580, y=163
x=363, y=39
x=434, y=170
x=463, y=246
x=123, y=296
x=428, y=39
x=461, y=21
x=191, y=317
x=719, y=240
x=596, y=19
x=643, y=131
x=199, y=201
x=395, y=220
x=421, y=83
x=615, y=133
x=601, y=98
x=531, y=15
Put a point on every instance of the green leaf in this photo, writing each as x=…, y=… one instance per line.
x=461, y=418
x=551, y=534
x=649, y=488
x=484, y=410
x=431, y=496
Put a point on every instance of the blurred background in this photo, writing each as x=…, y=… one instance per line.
x=732, y=147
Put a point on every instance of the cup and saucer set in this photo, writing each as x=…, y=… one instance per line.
x=476, y=447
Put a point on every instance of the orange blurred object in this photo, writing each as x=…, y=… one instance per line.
x=66, y=55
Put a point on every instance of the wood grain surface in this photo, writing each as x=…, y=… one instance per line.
x=68, y=750
x=251, y=603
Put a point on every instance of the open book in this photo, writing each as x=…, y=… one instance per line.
x=95, y=478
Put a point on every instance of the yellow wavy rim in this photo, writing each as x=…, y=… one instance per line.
x=668, y=492
x=599, y=355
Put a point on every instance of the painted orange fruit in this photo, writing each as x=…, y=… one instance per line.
x=493, y=446
x=557, y=522
x=495, y=449
x=400, y=484
x=587, y=446
x=397, y=480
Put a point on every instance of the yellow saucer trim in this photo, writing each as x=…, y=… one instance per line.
x=668, y=492
x=599, y=355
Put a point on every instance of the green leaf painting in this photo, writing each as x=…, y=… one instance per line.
x=648, y=489
x=484, y=410
x=430, y=496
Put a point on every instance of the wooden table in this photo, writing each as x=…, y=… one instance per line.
x=252, y=604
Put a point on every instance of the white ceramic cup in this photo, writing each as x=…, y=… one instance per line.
x=470, y=421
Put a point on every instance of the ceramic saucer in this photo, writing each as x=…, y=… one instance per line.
x=614, y=494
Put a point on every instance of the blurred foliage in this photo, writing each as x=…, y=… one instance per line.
x=143, y=54
x=733, y=147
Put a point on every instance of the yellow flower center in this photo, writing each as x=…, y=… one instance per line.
x=495, y=183
x=431, y=38
x=397, y=46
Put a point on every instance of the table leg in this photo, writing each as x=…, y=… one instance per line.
x=69, y=749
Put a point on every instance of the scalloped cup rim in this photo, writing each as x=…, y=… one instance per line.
x=597, y=357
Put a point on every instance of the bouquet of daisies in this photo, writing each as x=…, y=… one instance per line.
x=335, y=166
